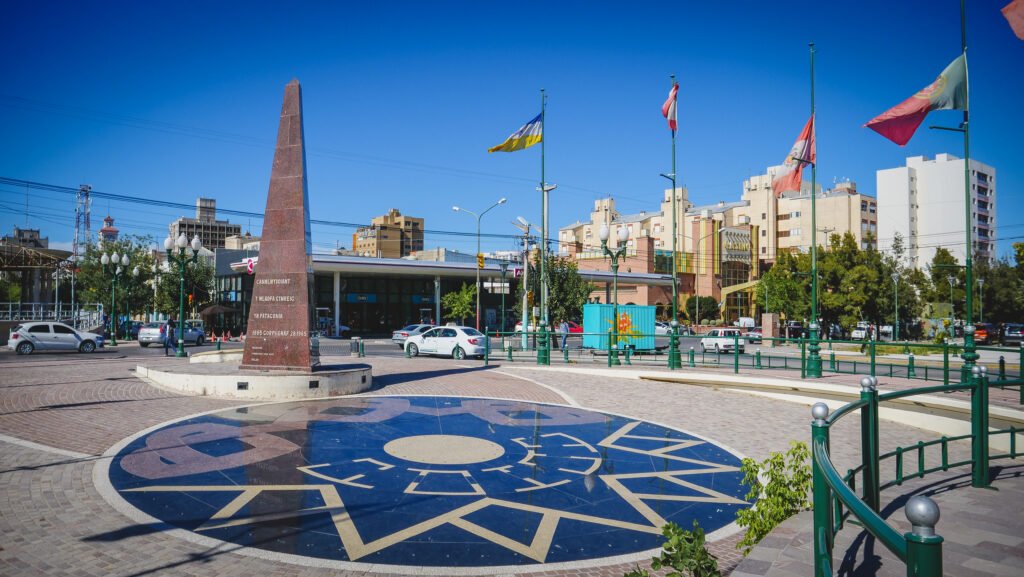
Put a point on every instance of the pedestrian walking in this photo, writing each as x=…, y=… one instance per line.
x=563, y=327
x=169, y=334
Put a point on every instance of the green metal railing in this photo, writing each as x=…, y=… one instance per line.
x=835, y=497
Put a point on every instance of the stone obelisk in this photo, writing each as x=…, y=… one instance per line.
x=281, y=314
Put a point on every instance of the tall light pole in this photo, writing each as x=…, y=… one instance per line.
x=116, y=260
x=615, y=255
x=896, y=306
x=128, y=303
x=674, y=360
x=952, y=310
x=181, y=260
x=479, y=255
x=545, y=188
x=156, y=285
x=981, y=300
x=524, y=226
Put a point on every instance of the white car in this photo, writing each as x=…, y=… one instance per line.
x=401, y=335
x=51, y=336
x=661, y=328
x=722, y=340
x=456, y=342
x=860, y=332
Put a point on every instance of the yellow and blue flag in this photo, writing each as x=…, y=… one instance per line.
x=531, y=133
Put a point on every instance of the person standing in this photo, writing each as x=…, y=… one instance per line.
x=169, y=334
x=563, y=327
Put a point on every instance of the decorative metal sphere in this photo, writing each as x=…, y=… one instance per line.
x=674, y=323
x=923, y=514
x=819, y=411
x=866, y=384
x=976, y=370
x=969, y=330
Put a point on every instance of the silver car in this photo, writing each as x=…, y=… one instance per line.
x=51, y=336
x=153, y=333
x=398, y=337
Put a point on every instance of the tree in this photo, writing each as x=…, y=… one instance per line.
x=567, y=291
x=94, y=280
x=199, y=278
x=462, y=303
x=788, y=286
x=708, y=309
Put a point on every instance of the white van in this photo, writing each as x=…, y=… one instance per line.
x=720, y=340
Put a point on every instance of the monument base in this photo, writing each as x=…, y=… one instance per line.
x=228, y=380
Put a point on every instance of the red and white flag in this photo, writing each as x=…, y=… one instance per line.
x=1014, y=14
x=803, y=152
x=948, y=92
x=668, y=110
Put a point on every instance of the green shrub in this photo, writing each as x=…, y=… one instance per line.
x=786, y=493
x=684, y=552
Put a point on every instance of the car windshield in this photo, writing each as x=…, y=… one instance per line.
x=153, y=325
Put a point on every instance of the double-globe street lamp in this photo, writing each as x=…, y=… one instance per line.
x=615, y=255
x=128, y=304
x=479, y=256
x=181, y=260
x=116, y=260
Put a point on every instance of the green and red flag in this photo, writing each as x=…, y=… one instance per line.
x=948, y=92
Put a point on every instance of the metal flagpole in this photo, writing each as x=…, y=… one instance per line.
x=544, y=217
x=814, y=360
x=675, y=233
x=969, y=356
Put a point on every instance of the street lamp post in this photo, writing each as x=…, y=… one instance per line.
x=117, y=261
x=479, y=256
x=156, y=285
x=615, y=255
x=674, y=361
x=952, y=310
x=896, y=306
x=504, y=269
x=524, y=226
x=182, y=261
x=981, y=300
x=128, y=304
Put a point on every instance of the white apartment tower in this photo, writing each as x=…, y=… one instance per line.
x=924, y=202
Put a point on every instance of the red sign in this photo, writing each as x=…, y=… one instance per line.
x=517, y=272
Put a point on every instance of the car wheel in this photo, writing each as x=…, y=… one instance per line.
x=717, y=351
x=199, y=342
x=458, y=354
x=25, y=348
x=703, y=349
x=143, y=345
x=413, y=350
x=87, y=347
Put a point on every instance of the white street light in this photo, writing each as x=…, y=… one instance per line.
x=479, y=255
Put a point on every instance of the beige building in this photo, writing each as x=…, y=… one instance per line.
x=389, y=236
x=785, y=222
x=212, y=232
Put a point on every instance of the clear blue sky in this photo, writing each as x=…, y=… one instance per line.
x=175, y=100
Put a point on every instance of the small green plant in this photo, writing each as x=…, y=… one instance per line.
x=684, y=552
x=785, y=494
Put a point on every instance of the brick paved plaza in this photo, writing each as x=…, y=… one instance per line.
x=61, y=413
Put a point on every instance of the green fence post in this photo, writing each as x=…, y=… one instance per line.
x=487, y=347
x=945, y=361
x=871, y=351
x=565, y=353
x=626, y=354
x=821, y=493
x=757, y=358
x=509, y=349
x=693, y=363
x=979, y=426
x=736, y=353
x=1002, y=368
x=542, y=345
x=911, y=373
x=869, y=441
x=924, y=547
x=831, y=359
x=803, y=359
x=362, y=348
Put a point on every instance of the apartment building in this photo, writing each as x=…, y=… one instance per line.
x=924, y=202
x=211, y=232
x=389, y=236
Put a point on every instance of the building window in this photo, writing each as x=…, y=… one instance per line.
x=764, y=250
x=764, y=232
x=764, y=216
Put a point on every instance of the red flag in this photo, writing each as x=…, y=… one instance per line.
x=668, y=110
x=803, y=152
x=948, y=92
x=1014, y=14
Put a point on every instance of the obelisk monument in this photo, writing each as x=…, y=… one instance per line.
x=281, y=315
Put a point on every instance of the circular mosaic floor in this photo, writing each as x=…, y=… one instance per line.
x=428, y=481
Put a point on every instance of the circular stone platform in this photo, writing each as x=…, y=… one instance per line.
x=395, y=484
x=229, y=381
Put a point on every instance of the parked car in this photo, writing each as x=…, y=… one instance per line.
x=795, y=330
x=399, y=337
x=153, y=333
x=51, y=336
x=130, y=329
x=662, y=328
x=754, y=335
x=722, y=340
x=861, y=331
x=1011, y=334
x=457, y=342
x=984, y=333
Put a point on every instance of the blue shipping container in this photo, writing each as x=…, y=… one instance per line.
x=637, y=322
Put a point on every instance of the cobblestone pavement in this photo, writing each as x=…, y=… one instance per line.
x=58, y=415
